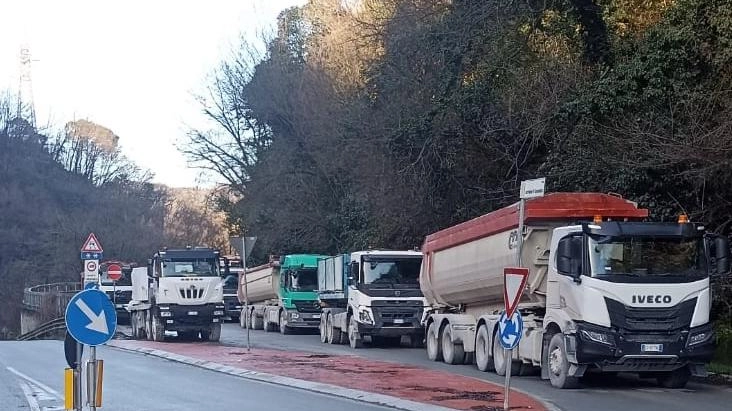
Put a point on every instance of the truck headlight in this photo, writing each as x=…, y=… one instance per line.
x=598, y=337
x=218, y=312
x=699, y=337
x=166, y=314
x=365, y=316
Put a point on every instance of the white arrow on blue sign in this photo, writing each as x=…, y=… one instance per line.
x=510, y=331
x=91, y=318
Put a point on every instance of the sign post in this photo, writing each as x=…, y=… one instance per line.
x=510, y=323
x=91, y=319
x=114, y=273
x=244, y=245
x=514, y=281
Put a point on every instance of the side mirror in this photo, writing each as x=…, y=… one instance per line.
x=721, y=254
x=569, y=257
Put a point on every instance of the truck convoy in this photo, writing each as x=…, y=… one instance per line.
x=607, y=291
x=372, y=294
x=181, y=291
x=280, y=295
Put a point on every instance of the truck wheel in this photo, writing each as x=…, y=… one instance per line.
x=451, y=353
x=324, y=327
x=284, y=329
x=243, y=320
x=214, y=333
x=257, y=323
x=334, y=335
x=133, y=325
x=354, y=339
x=416, y=341
x=558, y=364
x=674, y=379
x=158, y=329
x=483, y=350
x=434, y=352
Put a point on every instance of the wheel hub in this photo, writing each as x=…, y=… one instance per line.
x=555, y=361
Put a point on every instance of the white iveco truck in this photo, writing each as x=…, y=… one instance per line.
x=371, y=294
x=607, y=291
x=181, y=291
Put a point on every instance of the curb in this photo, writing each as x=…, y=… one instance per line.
x=321, y=388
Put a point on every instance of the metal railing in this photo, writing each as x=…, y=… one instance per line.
x=55, y=326
x=50, y=299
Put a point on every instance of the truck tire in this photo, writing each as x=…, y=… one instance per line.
x=451, y=353
x=158, y=329
x=416, y=341
x=214, y=333
x=257, y=322
x=483, y=350
x=243, y=320
x=354, y=339
x=284, y=329
x=434, y=352
x=499, y=359
x=324, y=327
x=333, y=334
x=674, y=379
x=558, y=364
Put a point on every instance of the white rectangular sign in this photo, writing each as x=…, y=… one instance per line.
x=532, y=188
x=91, y=271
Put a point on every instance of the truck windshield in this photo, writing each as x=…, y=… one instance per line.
x=196, y=267
x=647, y=257
x=304, y=279
x=392, y=271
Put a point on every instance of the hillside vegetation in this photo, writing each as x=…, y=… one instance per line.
x=376, y=122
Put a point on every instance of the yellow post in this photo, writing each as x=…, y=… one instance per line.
x=69, y=389
x=100, y=378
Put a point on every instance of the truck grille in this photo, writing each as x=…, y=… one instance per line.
x=191, y=293
x=642, y=319
x=305, y=306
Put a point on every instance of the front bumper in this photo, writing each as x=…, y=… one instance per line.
x=297, y=319
x=190, y=317
x=611, y=350
x=233, y=306
x=392, y=321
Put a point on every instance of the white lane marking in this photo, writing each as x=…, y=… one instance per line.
x=32, y=403
x=39, y=384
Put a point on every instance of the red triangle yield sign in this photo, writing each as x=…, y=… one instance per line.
x=514, y=282
x=91, y=245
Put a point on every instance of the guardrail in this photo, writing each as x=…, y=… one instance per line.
x=54, y=326
x=50, y=299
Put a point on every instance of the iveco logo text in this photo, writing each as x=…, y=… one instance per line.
x=651, y=299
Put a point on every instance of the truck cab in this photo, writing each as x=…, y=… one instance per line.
x=181, y=292
x=636, y=296
x=378, y=298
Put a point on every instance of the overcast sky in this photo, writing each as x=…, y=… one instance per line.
x=131, y=65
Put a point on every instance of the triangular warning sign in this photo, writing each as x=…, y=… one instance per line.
x=514, y=282
x=91, y=245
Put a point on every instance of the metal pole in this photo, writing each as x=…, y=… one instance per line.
x=77, y=378
x=508, y=353
x=246, y=289
x=91, y=379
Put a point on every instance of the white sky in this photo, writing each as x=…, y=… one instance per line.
x=131, y=65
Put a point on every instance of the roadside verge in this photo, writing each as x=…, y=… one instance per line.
x=395, y=385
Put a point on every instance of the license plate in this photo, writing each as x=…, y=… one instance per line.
x=316, y=315
x=192, y=312
x=398, y=321
x=652, y=347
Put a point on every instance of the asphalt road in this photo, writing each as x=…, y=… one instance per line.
x=31, y=378
x=622, y=393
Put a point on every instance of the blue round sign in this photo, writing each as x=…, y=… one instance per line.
x=91, y=318
x=510, y=331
